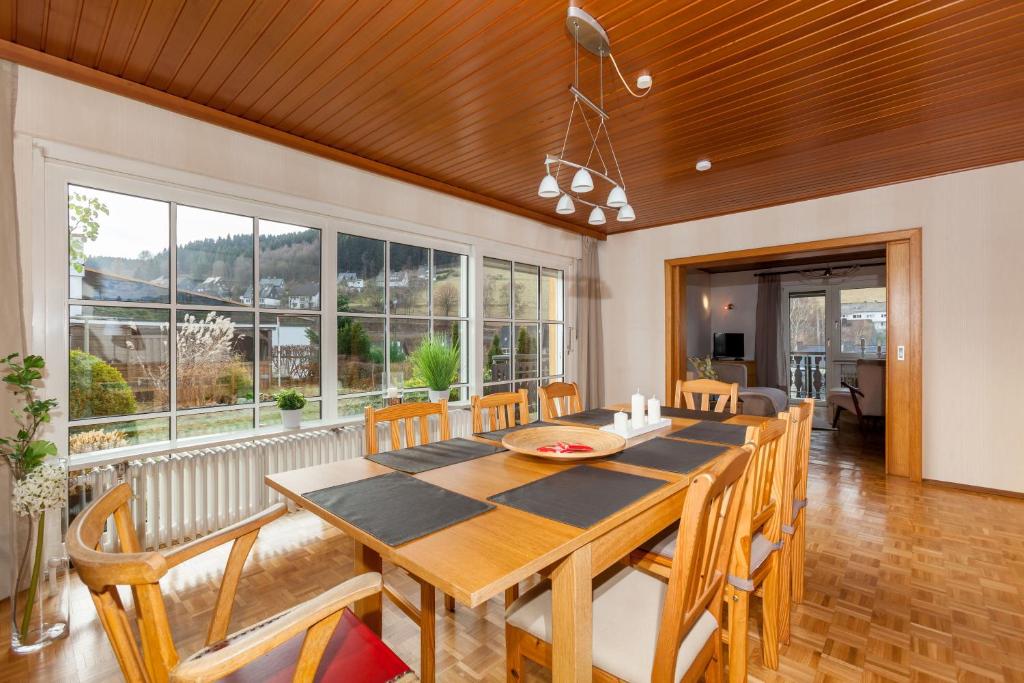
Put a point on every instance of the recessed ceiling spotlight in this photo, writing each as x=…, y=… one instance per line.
x=703, y=165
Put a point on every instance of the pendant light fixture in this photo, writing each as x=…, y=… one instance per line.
x=587, y=32
x=565, y=205
x=548, y=187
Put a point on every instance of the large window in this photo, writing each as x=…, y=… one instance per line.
x=184, y=321
x=390, y=297
x=523, y=329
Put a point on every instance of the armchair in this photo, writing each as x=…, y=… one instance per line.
x=866, y=400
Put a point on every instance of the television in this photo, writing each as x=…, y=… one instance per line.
x=728, y=345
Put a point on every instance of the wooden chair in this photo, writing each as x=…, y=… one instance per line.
x=500, y=409
x=402, y=419
x=644, y=630
x=501, y=414
x=409, y=414
x=794, y=499
x=755, y=566
x=687, y=392
x=558, y=399
x=297, y=644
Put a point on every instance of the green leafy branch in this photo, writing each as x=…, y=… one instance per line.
x=24, y=452
x=83, y=226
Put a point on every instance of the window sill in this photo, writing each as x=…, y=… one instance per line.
x=117, y=455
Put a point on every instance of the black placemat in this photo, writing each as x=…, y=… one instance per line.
x=713, y=431
x=396, y=508
x=670, y=455
x=430, y=456
x=499, y=434
x=668, y=411
x=596, y=417
x=581, y=496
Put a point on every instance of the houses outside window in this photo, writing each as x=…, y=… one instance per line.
x=390, y=296
x=184, y=321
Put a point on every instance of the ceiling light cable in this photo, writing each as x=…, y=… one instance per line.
x=622, y=78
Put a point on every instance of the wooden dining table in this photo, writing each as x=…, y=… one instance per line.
x=479, y=558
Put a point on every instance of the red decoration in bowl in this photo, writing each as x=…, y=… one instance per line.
x=563, y=447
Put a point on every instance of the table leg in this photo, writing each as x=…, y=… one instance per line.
x=427, y=630
x=572, y=619
x=368, y=609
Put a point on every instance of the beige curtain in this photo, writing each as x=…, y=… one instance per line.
x=12, y=324
x=588, y=312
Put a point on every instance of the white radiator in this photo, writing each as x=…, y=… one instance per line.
x=186, y=494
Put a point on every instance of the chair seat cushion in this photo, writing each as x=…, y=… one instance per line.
x=354, y=654
x=626, y=617
x=664, y=544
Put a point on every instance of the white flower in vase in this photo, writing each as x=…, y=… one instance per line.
x=41, y=489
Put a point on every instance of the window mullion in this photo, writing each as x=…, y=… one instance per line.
x=329, y=324
x=172, y=340
x=257, y=341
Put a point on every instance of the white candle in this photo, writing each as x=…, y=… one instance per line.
x=653, y=410
x=621, y=423
x=638, y=409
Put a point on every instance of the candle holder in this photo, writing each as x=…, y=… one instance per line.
x=392, y=382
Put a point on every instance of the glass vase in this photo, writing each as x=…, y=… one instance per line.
x=39, y=577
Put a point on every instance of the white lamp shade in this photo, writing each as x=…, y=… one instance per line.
x=565, y=205
x=548, y=187
x=616, y=198
x=625, y=214
x=582, y=182
x=596, y=216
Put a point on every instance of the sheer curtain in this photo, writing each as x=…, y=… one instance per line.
x=588, y=307
x=768, y=332
x=12, y=324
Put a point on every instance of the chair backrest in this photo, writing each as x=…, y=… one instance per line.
x=558, y=399
x=761, y=498
x=871, y=382
x=500, y=409
x=801, y=419
x=697, y=577
x=409, y=414
x=697, y=393
x=103, y=572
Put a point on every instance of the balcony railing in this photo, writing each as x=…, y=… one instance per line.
x=807, y=375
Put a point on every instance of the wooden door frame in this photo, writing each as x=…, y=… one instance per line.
x=903, y=426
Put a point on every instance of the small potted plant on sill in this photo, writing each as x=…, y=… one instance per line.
x=436, y=363
x=290, y=402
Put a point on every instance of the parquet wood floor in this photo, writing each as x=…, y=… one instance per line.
x=905, y=582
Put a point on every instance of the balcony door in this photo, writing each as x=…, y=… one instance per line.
x=828, y=328
x=808, y=342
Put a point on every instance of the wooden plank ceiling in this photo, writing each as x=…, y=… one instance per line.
x=790, y=99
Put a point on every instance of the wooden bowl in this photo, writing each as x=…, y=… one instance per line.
x=527, y=441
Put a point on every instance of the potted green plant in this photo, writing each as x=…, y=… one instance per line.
x=39, y=500
x=436, y=363
x=290, y=402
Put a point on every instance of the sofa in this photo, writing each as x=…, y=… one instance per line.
x=764, y=401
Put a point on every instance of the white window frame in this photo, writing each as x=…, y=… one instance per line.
x=541, y=263
x=44, y=257
x=387, y=316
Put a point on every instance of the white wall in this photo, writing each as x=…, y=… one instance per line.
x=740, y=290
x=54, y=109
x=973, y=237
